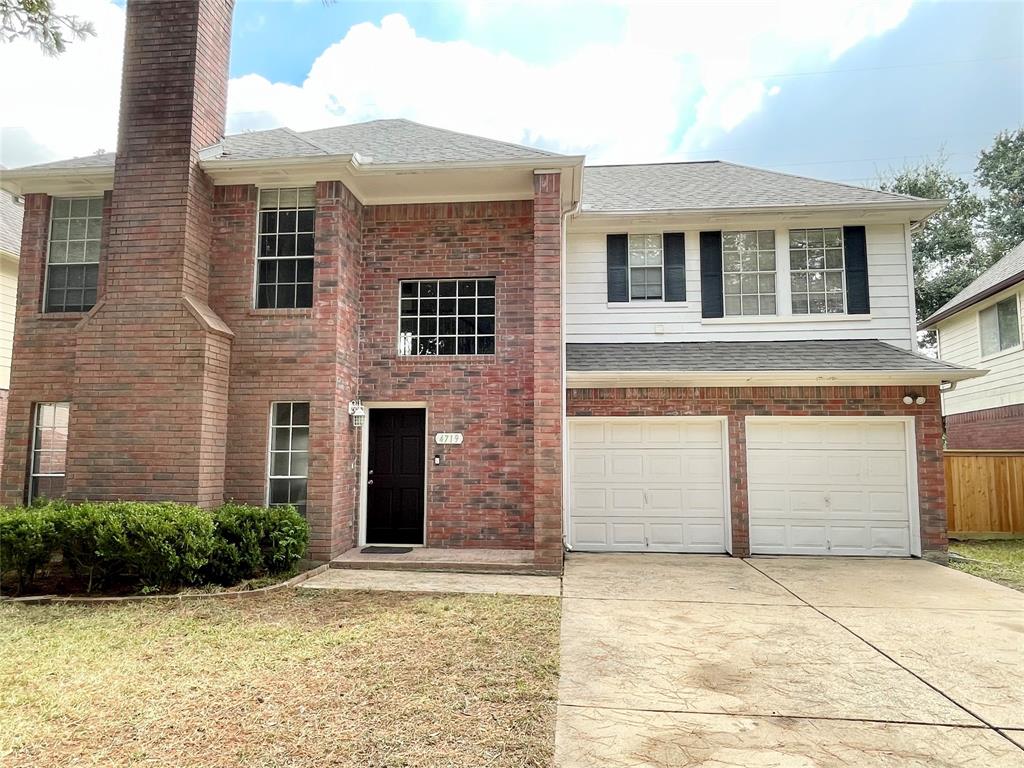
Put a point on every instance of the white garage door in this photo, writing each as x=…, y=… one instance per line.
x=828, y=486
x=647, y=485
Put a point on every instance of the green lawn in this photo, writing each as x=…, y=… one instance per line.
x=375, y=680
x=1002, y=560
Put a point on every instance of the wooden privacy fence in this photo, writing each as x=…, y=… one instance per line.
x=985, y=492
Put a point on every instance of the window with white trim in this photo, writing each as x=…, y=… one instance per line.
x=446, y=317
x=288, y=470
x=646, y=266
x=748, y=272
x=284, y=251
x=49, y=451
x=1000, y=326
x=817, y=272
x=73, y=258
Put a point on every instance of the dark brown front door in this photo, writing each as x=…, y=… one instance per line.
x=394, y=490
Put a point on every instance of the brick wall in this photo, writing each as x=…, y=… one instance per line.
x=739, y=402
x=3, y=425
x=293, y=354
x=482, y=493
x=988, y=430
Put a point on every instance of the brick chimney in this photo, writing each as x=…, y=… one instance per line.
x=151, y=360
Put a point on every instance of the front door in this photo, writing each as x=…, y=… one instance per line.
x=395, y=476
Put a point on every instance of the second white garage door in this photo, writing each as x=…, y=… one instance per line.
x=647, y=484
x=829, y=486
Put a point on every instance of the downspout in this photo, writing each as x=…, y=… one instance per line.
x=571, y=211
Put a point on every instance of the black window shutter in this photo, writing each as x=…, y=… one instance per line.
x=711, y=302
x=856, y=247
x=675, y=266
x=618, y=268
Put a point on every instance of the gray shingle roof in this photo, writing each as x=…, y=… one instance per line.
x=106, y=160
x=731, y=356
x=11, y=215
x=377, y=141
x=713, y=185
x=1000, y=276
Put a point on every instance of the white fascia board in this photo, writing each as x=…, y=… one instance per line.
x=616, y=379
x=58, y=181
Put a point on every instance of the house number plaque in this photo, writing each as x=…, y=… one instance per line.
x=448, y=438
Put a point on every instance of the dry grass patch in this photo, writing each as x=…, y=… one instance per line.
x=999, y=560
x=375, y=680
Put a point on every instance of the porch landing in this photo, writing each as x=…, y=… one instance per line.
x=443, y=559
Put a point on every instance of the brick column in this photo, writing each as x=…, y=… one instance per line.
x=547, y=371
x=149, y=406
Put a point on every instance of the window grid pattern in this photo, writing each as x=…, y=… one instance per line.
x=748, y=272
x=817, y=271
x=646, y=266
x=284, y=262
x=1000, y=327
x=49, y=451
x=73, y=258
x=447, y=317
x=288, y=473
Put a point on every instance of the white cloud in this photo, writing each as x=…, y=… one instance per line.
x=68, y=104
x=679, y=76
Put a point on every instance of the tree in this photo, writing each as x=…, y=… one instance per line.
x=946, y=253
x=1000, y=173
x=37, y=20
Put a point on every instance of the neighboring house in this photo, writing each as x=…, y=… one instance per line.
x=10, y=246
x=981, y=327
x=422, y=337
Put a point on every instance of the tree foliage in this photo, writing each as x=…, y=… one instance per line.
x=39, y=21
x=1000, y=173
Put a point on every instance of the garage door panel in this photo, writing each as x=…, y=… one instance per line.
x=828, y=486
x=647, y=485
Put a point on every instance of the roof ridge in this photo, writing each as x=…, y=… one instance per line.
x=475, y=136
x=306, y=139
x=826, y=181
x=666, y=162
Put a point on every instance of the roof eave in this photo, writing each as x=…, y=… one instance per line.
x=944, y=314
x=653, y=378
x=58, y=181
x=925, y=207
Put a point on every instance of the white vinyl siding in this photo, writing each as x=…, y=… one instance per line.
x=589, y=318
x=960, y=343
x=8, y=300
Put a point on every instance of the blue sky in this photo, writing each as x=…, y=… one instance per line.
x=840, y=90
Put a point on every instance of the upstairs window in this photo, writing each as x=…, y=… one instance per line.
x=284, y=255
x=49, y=451
x=73, y=258
x=817, y=271
x=288, y=473
x=1000, y=327
x=446, y=317
x=748, y=272
x=646, y=267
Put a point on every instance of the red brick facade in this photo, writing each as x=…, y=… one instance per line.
x=739, y=402
x=993, y=429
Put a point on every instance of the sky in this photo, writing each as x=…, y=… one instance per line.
x=839, y=89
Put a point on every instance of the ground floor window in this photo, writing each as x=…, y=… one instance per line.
x=49, y=451
x=288, y=469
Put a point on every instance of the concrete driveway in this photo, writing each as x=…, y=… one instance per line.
x=686, y=660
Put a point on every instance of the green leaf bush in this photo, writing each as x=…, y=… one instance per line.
x=150, y=546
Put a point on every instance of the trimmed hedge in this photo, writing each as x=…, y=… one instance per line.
x=150, y=545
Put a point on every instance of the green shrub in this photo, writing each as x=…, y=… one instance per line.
x=151, y=545
x=27, y=541
x=254, y=541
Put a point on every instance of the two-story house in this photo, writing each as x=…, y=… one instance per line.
x=421, y=337
x=982, y=327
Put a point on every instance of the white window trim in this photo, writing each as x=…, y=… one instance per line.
x=32, y=474
x=270, y=450
x=255, y=300
x=758, y=272
x=824, y=270
x=982, y=357
x=400, y=336
x=629, y=275
x=44, y=304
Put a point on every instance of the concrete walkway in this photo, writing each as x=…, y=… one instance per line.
x=676, y=660
x=408, y=581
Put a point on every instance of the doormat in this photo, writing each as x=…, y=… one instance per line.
x=371, y=550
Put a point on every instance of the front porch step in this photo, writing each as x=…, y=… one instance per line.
x=443, y=560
